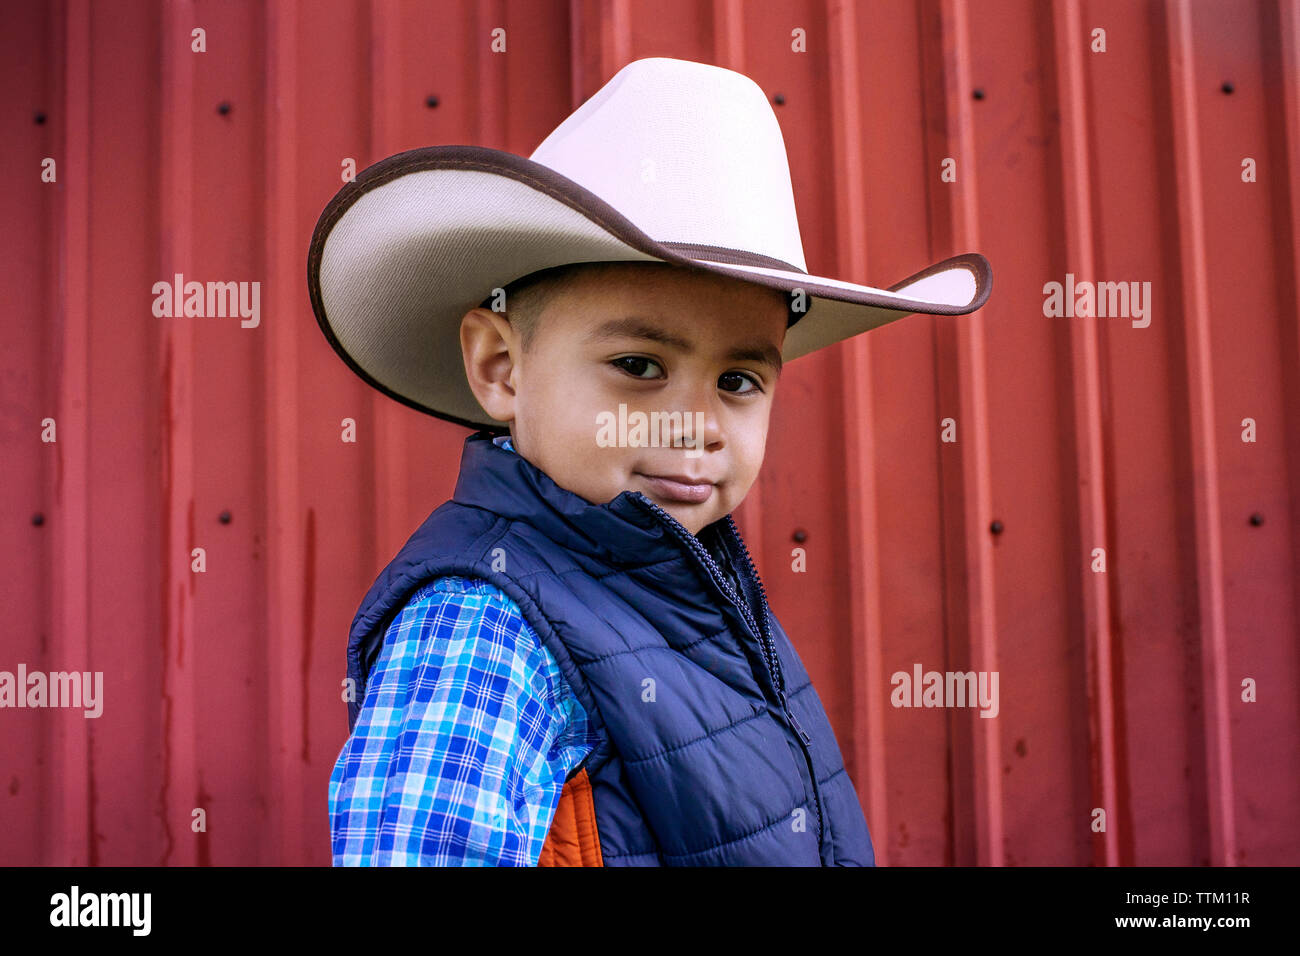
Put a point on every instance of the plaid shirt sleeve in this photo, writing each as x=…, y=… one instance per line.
x=464, y=740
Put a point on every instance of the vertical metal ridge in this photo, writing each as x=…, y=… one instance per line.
x=1207, y=530
x=492, y=117
x=578, y=50
x=289, y=832
x=601, y=32
x=616, y=39
x=73, y=841
x=729, y=34
x=1288, y=14
x=1085, y=402
x=388, y=452
x=973, y=575
x=176, y=227
x=867, y=677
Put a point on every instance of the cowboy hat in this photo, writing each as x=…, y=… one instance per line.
x=670, y=161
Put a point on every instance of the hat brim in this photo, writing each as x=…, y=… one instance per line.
x=402, y=252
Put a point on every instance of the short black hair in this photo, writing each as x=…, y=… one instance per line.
x=527, y=297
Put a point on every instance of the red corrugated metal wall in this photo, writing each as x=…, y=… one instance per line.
x=1120, y=690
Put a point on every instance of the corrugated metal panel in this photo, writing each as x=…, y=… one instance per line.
x=1119, y=690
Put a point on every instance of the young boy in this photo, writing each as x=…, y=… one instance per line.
x=573, y=661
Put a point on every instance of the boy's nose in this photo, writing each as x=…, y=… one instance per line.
x=701, y=418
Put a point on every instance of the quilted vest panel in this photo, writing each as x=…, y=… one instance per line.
x=714, y=748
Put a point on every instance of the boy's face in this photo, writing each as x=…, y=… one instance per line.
x=686, y=342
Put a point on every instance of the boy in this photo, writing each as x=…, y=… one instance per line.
x=573, y=661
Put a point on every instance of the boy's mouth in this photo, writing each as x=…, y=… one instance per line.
x=681, y=488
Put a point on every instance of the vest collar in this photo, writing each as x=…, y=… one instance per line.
x=624, y=531
x=628, y=531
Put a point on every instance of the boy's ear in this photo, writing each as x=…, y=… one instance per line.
x=489, y=344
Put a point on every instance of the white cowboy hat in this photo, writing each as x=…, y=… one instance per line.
x=670, y=161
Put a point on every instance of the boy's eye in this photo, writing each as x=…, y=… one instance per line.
x=743, y=378
x=637, y=362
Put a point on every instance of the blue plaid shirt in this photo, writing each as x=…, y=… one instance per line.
x=464, y=740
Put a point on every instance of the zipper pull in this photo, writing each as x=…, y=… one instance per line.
x=794, y=721
x=802, y=733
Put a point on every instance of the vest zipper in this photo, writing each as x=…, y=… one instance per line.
x=753, y=576
x=767, y=644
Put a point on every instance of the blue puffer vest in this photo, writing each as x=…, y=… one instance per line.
x=714, y=748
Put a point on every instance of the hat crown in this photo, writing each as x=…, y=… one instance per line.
x=689, y=152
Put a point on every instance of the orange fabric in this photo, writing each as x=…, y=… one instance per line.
x=573, y=840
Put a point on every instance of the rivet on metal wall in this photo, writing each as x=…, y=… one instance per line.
x=800, y=535
x=38, y=519
x=223, y=107
x=996, y=527
x=1226, y=87
x=40, y=118
x=978, y=93
x=224, y=517
x=431, y=101
x=779, y=99
x=1257, y=519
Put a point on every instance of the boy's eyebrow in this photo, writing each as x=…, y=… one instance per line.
x=633, y=326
